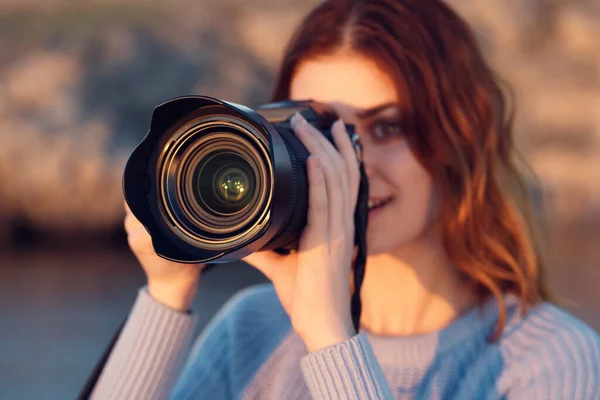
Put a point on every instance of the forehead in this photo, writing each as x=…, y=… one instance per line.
x=348, y=78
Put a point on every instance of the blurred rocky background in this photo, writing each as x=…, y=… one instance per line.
x=79, y=81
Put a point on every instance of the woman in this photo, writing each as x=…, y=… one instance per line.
x=453, y=299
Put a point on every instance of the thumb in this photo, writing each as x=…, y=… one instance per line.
x=266, y=261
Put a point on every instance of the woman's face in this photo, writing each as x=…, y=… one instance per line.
x=400, y=189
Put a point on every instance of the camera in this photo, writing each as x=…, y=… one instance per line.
x=213, y=181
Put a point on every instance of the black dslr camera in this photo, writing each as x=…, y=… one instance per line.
x=214, y=181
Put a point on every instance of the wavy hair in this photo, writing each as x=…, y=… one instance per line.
x=459, y=128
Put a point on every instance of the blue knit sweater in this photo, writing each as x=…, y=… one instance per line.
x=249, y=351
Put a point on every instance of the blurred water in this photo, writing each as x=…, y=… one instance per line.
x=60, y=309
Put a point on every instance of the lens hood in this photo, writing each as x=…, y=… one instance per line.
x=141, y=180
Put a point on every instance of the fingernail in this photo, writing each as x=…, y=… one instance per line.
x=296, y=120
x=314, y=160
x=341, y=123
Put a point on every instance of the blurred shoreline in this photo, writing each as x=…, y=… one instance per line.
x=79, y=83
x=571, y=253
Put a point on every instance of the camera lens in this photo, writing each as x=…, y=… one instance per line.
x=220, y=183
x=225, y=183
x=215, y=184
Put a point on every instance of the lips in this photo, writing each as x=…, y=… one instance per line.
x=375, y=203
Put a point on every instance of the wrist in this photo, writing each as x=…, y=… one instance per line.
x=324, y=337
x=178, y=297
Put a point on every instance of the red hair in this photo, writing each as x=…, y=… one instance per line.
x=460, y=130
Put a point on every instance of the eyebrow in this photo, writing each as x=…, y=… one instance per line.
x=370, y=112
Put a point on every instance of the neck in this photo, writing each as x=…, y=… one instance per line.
x=414, y=290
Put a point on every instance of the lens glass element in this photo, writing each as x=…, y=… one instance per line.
x=216, y=183
x=226, y=183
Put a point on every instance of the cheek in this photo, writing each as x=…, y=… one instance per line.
x=416, y=195
x=414, y=190
x=411, y=217
x=402, y=170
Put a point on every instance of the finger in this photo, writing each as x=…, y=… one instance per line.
x=319, y=139
x=307, y=134
x=131, y=223
x=315, y=235
x=335, y=177
x=130, y=220
x=127, y=209
x=139, y=239
x=266, y=262
x=348, y=153
x=316, y=143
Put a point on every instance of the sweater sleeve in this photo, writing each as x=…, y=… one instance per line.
x=565, y=364
x=346, y=371
x=234, y=346
x=148, y=354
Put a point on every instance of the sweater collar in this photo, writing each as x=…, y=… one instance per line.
x=468, y=331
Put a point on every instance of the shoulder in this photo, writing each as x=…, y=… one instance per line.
x=251, y=313
x=550, y=353
x=252, y=317
x=238, y=340
x=547, y=328
x=254, y=301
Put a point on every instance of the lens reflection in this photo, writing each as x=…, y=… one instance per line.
x=216, y=184
x=232, y=185
x=225, y=183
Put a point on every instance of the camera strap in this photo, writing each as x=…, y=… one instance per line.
x=87, y=390
x=361, y=217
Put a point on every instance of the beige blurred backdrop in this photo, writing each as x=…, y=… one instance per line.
x=79, y=81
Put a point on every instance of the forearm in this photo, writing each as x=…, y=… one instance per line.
x=345, y=371
x=148, y=354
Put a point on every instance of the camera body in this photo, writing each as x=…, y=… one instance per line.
x=213, y=181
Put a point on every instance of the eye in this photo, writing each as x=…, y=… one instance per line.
x=386, y=130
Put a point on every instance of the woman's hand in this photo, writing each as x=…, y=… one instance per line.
x=313, y=285
x=173, y=284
